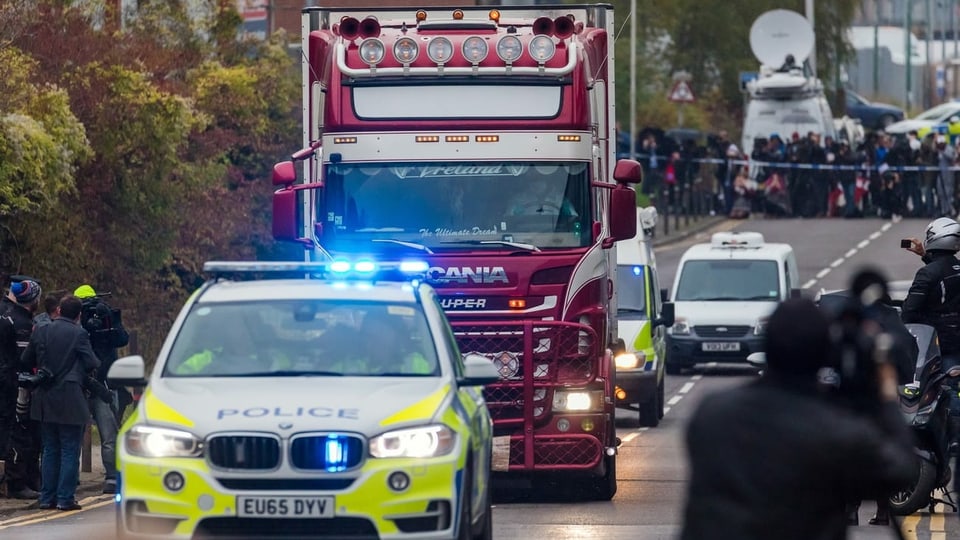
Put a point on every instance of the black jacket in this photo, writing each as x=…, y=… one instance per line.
x=934, y=299
x=16, y=325
x=54, y=347
x=776, y=460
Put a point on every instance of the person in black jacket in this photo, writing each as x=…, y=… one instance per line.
x=19, y=437
x=778, y=458
x=61, y=350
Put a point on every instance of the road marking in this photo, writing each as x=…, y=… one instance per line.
x=851, y=253
x=863, y=244
x=809, y=284
x=674, y=400
x=630, y=436
x=875, y=235
x=686, y=388
x=822, y=273
x=89, y=503
x=910, y=526
x=886, y=227
x=938, y=524
x=666, y=410
x=697, y=377
x=837, y=262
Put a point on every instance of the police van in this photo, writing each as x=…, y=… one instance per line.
x=320, y=400
x=642, y=319
x=724, y=293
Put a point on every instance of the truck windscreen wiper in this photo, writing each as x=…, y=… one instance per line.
x=411, y=245
x=516, y=245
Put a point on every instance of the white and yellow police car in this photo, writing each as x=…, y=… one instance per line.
x=307, y=400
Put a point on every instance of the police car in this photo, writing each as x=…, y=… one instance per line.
x=318, y=401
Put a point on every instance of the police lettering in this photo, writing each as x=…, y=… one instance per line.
x=290, y=412
x=466, y=274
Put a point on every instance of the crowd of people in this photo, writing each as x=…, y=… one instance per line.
x=805, y=175
x=55, y=351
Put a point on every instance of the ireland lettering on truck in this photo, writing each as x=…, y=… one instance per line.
x=481, y=141
x=328, y=406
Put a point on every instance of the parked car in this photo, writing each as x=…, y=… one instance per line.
x=871, y=114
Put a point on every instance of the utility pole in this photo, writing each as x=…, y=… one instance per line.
x=876, y=59
x=813, y=55
x=926, y=67
x=633, y=77
x=909, y=56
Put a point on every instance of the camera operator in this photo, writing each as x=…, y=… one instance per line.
x=19, y=436
x=107, y=334
x=779, y=458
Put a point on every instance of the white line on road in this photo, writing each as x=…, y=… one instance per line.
x=822, y=273
x=886, y=227
x=863, y=244
x=697, y=377
x=686, y=388
x=874, y=236
x=851, y=253
x=674, y=400
x=837, y=262
x=630, y=436
x=809, y=284
x=666, y=410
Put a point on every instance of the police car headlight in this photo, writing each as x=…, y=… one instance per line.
x=627, y=361
x=680, y=327
x=422, y=442
x=577, y=401
x=157, y=442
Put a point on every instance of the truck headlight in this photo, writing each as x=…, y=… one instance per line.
x=628, y=360
x=158, y=442
x=577, y=400
x=680, y=327
x=760, y=327
x=421, y=442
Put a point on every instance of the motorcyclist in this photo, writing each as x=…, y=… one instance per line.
x=934, y=299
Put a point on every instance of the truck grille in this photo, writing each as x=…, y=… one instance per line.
x=565, y=452
x=331, y=453
x=721, y=331
x=244, y=452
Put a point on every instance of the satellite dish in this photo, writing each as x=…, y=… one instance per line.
x=780, y=32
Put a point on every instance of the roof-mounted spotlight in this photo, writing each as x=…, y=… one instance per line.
x=440, y=50
x=372, y=51
x=406, y=50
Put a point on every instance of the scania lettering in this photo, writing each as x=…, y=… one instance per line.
x=492, y=161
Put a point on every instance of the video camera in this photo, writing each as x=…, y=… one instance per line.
x=99, y=319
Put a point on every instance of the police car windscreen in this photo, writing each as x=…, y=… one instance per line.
x=450, y=205
x=729, y=280
x=631, y=290
x=303, y=338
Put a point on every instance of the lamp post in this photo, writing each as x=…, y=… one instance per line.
x=808, y=5
x=908, y=56
x=633, y=77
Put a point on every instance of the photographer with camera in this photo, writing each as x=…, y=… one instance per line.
x=62, y=356
x=107, y=334
x=19, y=436
x=780, y=458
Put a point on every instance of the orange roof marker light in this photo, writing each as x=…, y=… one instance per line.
x=421, y=15
x=458, y=14
x=495, y=15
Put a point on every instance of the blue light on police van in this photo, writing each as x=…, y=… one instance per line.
x=414, y=267
x=364, y=267
x=339, y=267
x=637, y=270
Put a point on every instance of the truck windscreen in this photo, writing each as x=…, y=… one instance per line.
x=455, y=206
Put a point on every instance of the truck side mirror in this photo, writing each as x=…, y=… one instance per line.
x=628, y=171
x=284, y=173
x=667, y=315
x=623, y=215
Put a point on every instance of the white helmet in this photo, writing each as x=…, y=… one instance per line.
x=942, y=233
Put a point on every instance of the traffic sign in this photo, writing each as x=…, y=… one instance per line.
x=681, y=93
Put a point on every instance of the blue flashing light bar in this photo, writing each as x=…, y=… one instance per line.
x=340, y=269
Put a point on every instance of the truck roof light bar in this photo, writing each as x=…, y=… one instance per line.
x=341, y=53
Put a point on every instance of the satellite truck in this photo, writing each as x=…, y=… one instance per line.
x=786, y=97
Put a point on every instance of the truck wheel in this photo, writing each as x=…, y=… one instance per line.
x=650, y=411
x=917, y=495
x=605, y=487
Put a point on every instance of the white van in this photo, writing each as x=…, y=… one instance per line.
x=723, y=294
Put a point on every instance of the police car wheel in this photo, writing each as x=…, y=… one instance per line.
x=486, y=530
x=465, y=520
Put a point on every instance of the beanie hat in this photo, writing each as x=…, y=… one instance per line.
x=25, y=291
x=84, y=291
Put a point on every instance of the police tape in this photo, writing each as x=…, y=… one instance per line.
x=883, y=167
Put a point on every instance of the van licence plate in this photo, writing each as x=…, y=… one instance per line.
x=285, y=507
x=724, y=346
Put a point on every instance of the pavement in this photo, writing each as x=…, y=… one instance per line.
x=90, y=489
